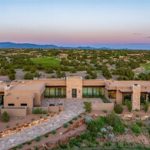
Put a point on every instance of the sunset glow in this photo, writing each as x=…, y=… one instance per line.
x=75, y=22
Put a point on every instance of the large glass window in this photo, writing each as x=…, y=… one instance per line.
x=55, y=92
x=92, y=92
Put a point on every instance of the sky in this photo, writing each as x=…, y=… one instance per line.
x=75, y=22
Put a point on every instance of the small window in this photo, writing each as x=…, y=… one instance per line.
x=51, y=105
x=11, y=104
x=23, y=104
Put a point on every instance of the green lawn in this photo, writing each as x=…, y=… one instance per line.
x=146, y=66
x=47, y=61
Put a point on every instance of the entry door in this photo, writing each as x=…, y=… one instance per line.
x=74, y=93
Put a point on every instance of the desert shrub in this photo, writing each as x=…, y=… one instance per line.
x=38, y=111
x=95, y=125
x=115, y=121
x=36, y=148
x=75, y=118
x=129, y=105
x=139, y=123
x=46, y=135
x=5, y=117
x=53, y=132
x=148, y=129
x=136, y=128
x=118, y=108
x=71, y=121
x=88, y=106
x=20, y=146
x=146, y=106
x=37, y=139
x=65, y=125
x=88, y=119
x=29, y=143
x=12, y=76
x=28, y=76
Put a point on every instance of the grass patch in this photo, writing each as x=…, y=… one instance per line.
x=146, y=66
x=46, y=61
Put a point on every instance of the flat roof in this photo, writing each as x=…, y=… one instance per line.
x=127, y=83
x=27, y=86
x=2, y=86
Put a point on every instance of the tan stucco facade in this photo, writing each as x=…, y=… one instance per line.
x=29, y=94
x=74, y=83
x=136, y=97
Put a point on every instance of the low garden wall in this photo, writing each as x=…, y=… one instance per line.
x=17, y=112
x=55, y=109
x=96, y=105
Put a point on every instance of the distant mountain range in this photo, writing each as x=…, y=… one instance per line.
x=138, y=46
x=24, y=45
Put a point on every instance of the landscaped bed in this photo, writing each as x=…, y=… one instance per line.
x=111, y=132
x=19, y=127
x=57, y=137
x=90, y=130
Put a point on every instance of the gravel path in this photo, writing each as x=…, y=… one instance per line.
x=72, y=109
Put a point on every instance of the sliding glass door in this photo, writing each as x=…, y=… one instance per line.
x=55, y=92
x=92, y=92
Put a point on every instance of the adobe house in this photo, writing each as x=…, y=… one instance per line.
x=20, y=97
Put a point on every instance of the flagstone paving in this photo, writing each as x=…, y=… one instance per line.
x=72, y=109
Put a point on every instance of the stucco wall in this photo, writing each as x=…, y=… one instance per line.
x=18, y=100
x=102, y=106
x=74, y=83
x=119, y=97
x=136, y=97
x=19, y=112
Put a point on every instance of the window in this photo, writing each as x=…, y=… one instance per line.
x=23, y=104
x=11, y=104
x=92, y=91
x=55, y=92
x=51, y=105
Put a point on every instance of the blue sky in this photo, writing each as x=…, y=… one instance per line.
x=75, y=22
